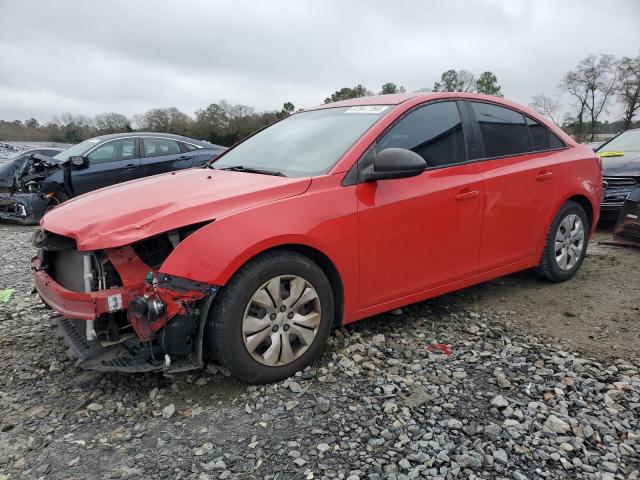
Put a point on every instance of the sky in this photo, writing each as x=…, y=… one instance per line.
x=88, y=57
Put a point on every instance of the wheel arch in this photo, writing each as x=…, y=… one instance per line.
x=323, y=261
x=581, y=199
x=584, y=202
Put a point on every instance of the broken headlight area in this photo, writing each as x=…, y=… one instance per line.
x=21, y=198
x=117, y=312
x=23, y=208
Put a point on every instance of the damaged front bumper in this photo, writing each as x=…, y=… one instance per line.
x=23, y=208
x=627, y=229
x=148, y=323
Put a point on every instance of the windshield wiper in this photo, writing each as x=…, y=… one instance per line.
x=243, y=168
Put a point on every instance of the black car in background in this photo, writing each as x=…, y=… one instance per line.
x=627, y=228
x=45, y=181
x=109, y=159
x=621, y=171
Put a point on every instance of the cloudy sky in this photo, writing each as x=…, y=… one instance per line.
x=128, y=56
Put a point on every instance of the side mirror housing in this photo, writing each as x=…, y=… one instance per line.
x=394, y=163
x=78, y=161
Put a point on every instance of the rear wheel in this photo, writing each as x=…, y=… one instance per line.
x=272, y=318
x=566, y=243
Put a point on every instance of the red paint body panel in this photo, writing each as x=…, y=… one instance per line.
x=518, y=198
x=128, y=212
x=392, y=242
x=414, y=234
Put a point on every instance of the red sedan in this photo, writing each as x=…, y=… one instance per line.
x=326, y=217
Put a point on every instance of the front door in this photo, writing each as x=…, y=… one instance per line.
x=421, y=232
x=112, y=162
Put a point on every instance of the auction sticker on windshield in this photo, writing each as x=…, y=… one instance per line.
x=367, y=109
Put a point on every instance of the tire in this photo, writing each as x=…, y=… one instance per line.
x=56, y=199
x=235, y=322
x=550, y=267
x=60, y=197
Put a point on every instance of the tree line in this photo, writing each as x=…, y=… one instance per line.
x=596, y=84
x=222, y=123
x=593, y=86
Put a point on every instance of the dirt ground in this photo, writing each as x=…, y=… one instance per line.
x=596, y=313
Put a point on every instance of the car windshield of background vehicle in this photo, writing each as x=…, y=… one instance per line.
x=625, y=142
x=306, y=143
x=78, y=149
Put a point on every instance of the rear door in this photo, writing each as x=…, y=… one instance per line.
x=421, y=232
x=160, y=155
x=111, y=162
x=519, y=175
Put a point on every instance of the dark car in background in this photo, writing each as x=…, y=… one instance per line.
x=99, y=162
x=627, y=229
x=621, y=171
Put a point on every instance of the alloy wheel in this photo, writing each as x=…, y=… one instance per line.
x=281, y=320
x=569, y=242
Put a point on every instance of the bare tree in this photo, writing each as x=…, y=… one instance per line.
x=455, y=81
x=547, y=106
x=111, y=122
x=167, y=120
x=628, y=91
x=591, y=84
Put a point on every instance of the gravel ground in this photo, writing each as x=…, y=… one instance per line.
x=509, y=401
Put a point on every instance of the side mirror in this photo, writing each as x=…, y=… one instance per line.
x=78, y=161
x=394, y=163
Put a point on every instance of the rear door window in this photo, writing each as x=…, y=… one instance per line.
x=155, y=147
x=433, y=131
x=504, y=130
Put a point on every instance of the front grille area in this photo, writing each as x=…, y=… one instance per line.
x=618, y=189
x=66, y=268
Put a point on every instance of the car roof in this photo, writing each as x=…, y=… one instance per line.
x=39, y=149
x=398, y=98
x=180, y=138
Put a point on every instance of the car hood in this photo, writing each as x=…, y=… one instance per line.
x=627, y=165
x=132, y=211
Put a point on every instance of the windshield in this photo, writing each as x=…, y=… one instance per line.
x=304, y=144
x=628, y=141
x=78, y=149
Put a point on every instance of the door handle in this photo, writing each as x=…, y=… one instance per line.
x=544, y=175
x=184, y=157
x=130, y=165
x=466, y=194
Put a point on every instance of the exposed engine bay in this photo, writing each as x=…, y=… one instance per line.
x=21, y=197
x=119, y=312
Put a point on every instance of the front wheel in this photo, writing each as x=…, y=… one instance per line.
x=272, y=318
x=566, y=243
